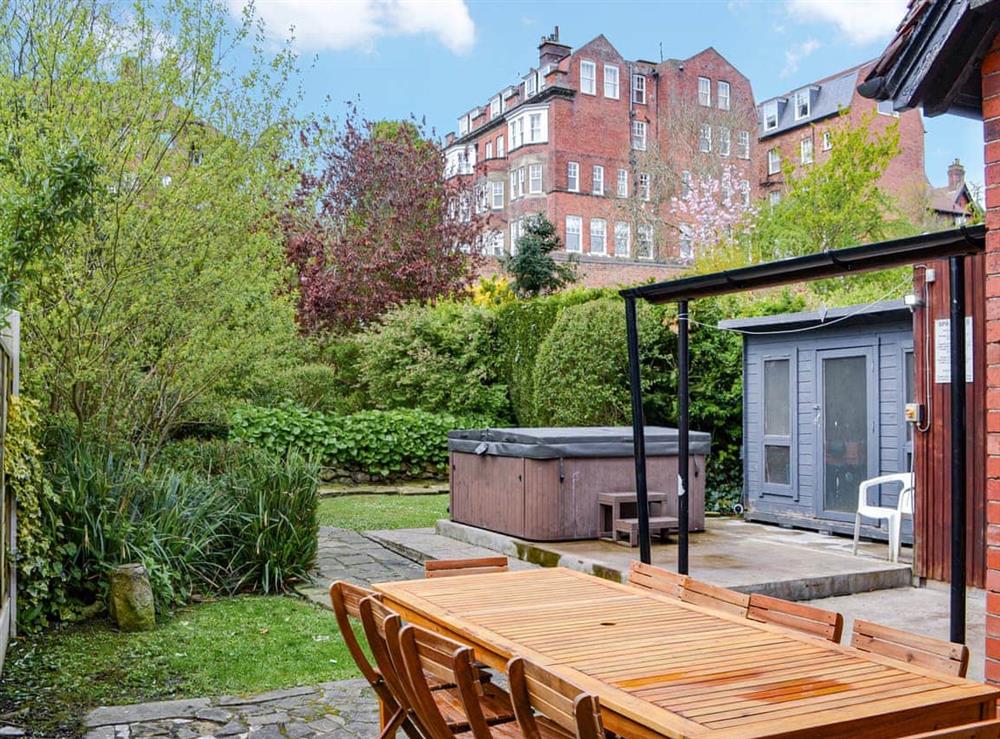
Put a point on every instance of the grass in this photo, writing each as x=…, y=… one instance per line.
x=238, y=645
x=372, y=512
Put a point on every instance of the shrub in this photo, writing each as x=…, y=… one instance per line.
x=383, y=444
x=440, y=358
x=581, y=372
x=248, y=524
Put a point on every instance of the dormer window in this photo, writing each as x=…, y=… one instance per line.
x=463, y=125
x=802, y=104
x=530, y=85
x=494, y=107
x=770, y=115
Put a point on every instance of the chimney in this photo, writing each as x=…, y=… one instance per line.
x=956, y=175
x=550, y=51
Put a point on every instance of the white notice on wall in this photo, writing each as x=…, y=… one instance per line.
x=942, y=350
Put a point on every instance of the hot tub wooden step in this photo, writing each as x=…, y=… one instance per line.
x=661, y=525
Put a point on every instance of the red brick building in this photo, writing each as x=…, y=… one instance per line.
x=795, y=128
x=603, y=145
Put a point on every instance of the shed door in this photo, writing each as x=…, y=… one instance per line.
x=847, y=428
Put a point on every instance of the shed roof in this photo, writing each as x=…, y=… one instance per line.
x=830, y=316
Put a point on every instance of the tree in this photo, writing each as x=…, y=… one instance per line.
x=163, y=295
x=378, y=226
x=532, y=267
x=713, y=208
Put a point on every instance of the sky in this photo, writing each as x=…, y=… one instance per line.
x=436, y=59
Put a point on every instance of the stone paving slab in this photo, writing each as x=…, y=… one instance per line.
x=346, y=709
x=424, y=544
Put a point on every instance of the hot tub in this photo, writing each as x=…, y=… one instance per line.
x=542, y=483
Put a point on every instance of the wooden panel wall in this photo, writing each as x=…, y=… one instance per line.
x=932, y=520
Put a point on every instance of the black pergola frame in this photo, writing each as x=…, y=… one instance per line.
x=954, y=244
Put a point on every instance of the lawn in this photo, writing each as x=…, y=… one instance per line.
x=237, y=645
x=372, y=512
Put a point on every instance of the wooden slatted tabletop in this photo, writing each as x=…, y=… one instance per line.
x=666, y=668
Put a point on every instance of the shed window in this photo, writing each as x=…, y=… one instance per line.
x=777, y=422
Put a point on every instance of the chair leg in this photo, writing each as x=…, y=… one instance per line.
x=857, y=532
x=894, y=531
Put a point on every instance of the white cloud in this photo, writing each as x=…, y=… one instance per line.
x=796, y=54
x=358, y=24
x=861, y=21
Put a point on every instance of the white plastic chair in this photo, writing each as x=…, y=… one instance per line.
x=894, y=516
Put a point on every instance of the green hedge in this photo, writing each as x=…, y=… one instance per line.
x=383, y=444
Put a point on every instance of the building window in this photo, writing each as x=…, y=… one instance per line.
x=494, y=243
x=773, y=161
x=573, y=177
x=777, y=422
x=704, y=91
x=827, y=141
x=885, y=108
x=530, y=85
x=806, y=151
x=611, y=81
x=743, y=144
x=705, y=138
x=534, y=128
x=723, y=95
x=500, y=152
x=770, y=115
x=745, y=192
x=643, y=186
x=623, y=238
x=588, y=78
x=686, y=244
x=598, y=180
x=482, y=203
x=598, y=236
x=516, y=230
x=513, y=184
x=801, y=104
x=639, y=135
x=774, y=197
x=623, y=183
x=535, y=179
x=516, y=130
x=724, y=142
x=498, y=195
x=685, y=183
x=574, y=225
x=644, y=241
x=494, y=107
x=639, y=89
x=489, y=149
x=520, y=182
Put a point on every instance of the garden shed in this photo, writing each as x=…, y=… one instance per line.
x=823, y=409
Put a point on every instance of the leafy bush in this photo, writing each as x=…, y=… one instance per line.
x=581, y=372
x=382, y=444
x=439, y=358
x=249, y=524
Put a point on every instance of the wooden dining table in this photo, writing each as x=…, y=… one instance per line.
x=662, y=667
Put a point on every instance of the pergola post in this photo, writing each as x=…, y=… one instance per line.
x=638, y=430
x=958, y=442
x=683, y=463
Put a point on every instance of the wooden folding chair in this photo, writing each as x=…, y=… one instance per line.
x=565, y=709
x=453, y=567
x=797, y=616
x=346, y=600
x=472, y=706
x=656, y=579
x=916, y=649
x=979, y=730
x=711, y=596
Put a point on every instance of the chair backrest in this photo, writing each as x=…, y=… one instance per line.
x=534, y=688
x=657, y=579
x=807, y=619
x=904, y=504
x=979, y=730
x=904, y=479
x=711, y=596
x=916, y=649
x=346, y=601
x=475, y=566
x=426, y=654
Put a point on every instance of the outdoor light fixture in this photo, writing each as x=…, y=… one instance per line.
x=913, y=301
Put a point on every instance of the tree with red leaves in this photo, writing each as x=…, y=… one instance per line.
x=379, y=226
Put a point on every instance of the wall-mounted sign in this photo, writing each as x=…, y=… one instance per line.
x=942, y=350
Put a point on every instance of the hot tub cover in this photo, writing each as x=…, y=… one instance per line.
x=571, y=441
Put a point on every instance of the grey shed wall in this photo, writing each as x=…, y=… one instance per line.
x=885, y=338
